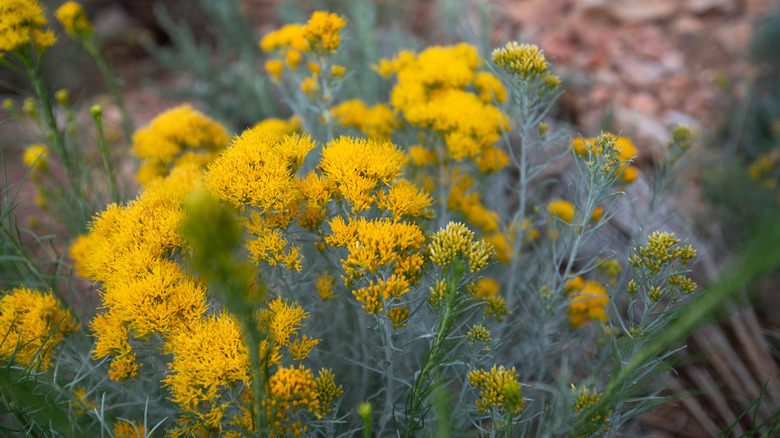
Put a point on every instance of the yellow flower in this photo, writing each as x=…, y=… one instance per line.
x=129, y=429
x=618, y=150
x=208, y=362
x=359, y=166
x=421, y=156
x=398, y=316
x=377, y=293
x=373, y=243
x=175, y=132
x=588, y=304
x=325, y=286
x=270, y=246
x=489, y=87
x=274, y=67
x=499, y=388
x=74, y=19
x=293, y=58
x=32, y=324
x=309, y=85
x=21, y=23
x=566, y=211
x=36, y=156
x=322, y=31
x=404, y=199
x=259, y=169
x=290, y=35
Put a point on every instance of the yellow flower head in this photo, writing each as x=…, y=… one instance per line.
x=404, y=199
x=36, y=156
x=21, y=23
x=398, y=316
x=322, y=31
x=526, y=60
x=74, y=19
x=499, y=388
x=290, y=36
x=173, y=133
x=588, y=304
x=208, y=361
x=325, y=286
x=259, y=169
x=129, y=429
x=489, y=87
x=359, y=166
x=274, y=67
x=33, y=324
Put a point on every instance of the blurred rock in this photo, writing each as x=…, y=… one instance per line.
x=702, y=6
x=648, y=134
x=634, y=11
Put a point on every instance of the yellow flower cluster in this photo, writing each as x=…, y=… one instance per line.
x=565, y=211
x=455, y=241
x=479, y=334
x=586, y=399
x=207, y=360
x=258, y=169
x=315, y=191
x=358, y=167
x=322, y=31
x=32, y=325
x=431, y=93
x=36, y=156
x=21, y=23
x=375, y=243
x=499, y=389
x=377, y=293
x=74, y=19
x=404, y=199
x=376, y=122
x=588, y=302
x=526, y=61
x=144, y=292
x=290, y=389
x=282, y=320
x=762, y=168
x=618, y=151
x=319, y=35
x=280, y=127
x=129, y=429
x=270, y=245
x=178, y=136
x=486, y=289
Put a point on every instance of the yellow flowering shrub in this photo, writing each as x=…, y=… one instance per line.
x=22, y=22
x=33, y=324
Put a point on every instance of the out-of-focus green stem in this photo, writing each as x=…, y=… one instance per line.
x=113, y=88
x=97, y=115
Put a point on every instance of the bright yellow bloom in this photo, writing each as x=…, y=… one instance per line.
x=489, y=87
x=290, y=35
x=293, y=58
x=566, y=211
x=309, y=85
x=373, y=243
x=491, y=160
x=377, y=293
x=129, y=429
x=499, y=388
x=588, y=303
x=173, y=133
x=21, y=23
x=208, y=361
x=486, y=288
x=404, y=199
x=282, y=320
x=325, y=286
x=36, y=156
x=358, y=167
x=322, y=31
x=259, y=169
x=274, y=67
x=290, y=389
x=123, y=368
x=74, y=19
x=398, y=316
x=421, y=156
x=455, y=242
x=32, y=325
x=270, y=245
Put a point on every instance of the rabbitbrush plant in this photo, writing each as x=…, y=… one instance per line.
x=385, y=269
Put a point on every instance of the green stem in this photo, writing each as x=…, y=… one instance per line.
x=104, y=153
x=113, y=88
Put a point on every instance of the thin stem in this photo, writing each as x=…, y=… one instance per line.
x=104, y=153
